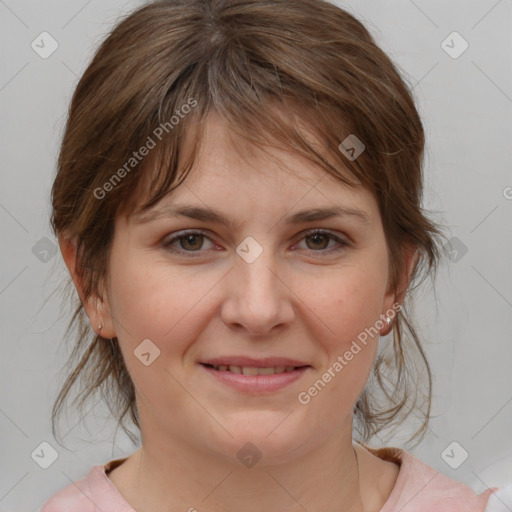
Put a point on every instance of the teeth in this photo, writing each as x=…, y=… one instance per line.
x=266, y=371
x=247, y=370
x=250, y=370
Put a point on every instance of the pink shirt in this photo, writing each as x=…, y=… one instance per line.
x=418, y=488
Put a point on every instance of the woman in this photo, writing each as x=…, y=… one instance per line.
x=238, y=202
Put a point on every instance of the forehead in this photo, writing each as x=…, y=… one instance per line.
x=232, y=178
x=226, y=159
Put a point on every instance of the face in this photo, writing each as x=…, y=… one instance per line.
x=265, y=291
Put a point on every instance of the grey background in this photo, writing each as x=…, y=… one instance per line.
x=466, y=105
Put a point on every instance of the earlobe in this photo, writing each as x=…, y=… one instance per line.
x=98, y=311
x=387, y=328
x=96, y=308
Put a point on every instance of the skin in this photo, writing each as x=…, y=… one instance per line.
x=298, y=299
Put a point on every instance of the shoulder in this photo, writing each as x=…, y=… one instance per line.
x=76, y=497
x=421, y=488
x=88, y=494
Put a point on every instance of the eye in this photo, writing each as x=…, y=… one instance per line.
x=192, y=241
x=320, y=240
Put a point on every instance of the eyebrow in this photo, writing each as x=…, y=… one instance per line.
x=215, y=216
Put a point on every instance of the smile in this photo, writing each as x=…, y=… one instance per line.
x=255, y=380
x=251, y=370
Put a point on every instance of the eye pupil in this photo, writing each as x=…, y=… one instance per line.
x=318, y=237
x=188, y=238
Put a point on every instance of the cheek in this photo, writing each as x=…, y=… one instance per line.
x=349, y=302
x=157, y=302
x=349, y=307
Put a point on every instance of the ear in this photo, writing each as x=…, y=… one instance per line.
x=411, y=256
x=97, y=308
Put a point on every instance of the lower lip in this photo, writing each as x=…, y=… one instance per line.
x=256, y=383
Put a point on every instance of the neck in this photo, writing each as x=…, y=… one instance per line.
x=177, y=477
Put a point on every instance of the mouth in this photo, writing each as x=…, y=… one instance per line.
x=253, y=370
x=255, y=375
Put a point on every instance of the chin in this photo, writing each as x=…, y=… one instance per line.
x=265, y=438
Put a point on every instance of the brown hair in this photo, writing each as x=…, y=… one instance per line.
x=239, y=58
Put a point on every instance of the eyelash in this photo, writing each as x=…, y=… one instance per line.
x=168, y=243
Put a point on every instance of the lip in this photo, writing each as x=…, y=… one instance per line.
x=264, y=362
x=256, y=383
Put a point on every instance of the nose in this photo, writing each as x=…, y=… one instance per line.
x=258, y=296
